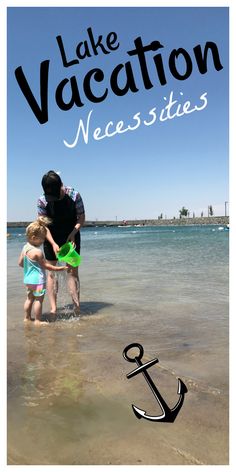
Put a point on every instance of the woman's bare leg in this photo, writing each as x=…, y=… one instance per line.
x=52, y=289
x=74, y=287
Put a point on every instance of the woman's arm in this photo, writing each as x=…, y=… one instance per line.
x=52, y=242
x=41, y=208
x=79, y=224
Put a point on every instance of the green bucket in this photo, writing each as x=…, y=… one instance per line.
x=68, y=254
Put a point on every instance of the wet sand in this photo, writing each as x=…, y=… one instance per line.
x=73, y=405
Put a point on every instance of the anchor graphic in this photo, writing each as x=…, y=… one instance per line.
x=168, y=414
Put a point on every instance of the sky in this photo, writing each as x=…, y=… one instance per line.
x=140, y=173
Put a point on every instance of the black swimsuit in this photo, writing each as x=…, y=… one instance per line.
x=64, y=216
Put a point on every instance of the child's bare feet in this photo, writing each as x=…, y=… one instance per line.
x=26, y=319
x=40, y=323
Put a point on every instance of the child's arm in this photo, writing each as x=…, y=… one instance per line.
x=48, y=266
x=42, y=261
x=21, y=259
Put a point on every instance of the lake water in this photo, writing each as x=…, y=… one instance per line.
x=69, y=401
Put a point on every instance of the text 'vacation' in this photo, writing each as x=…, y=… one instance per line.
x=149, y=65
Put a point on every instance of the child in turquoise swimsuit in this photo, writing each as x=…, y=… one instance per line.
x=34, y=263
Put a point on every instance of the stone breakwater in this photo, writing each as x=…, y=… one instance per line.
x=213, y=220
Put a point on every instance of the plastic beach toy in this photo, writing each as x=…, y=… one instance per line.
x=68, y=254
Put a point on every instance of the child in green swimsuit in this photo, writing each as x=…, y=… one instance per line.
x=34, y=263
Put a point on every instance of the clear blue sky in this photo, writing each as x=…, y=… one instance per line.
x=137, y=174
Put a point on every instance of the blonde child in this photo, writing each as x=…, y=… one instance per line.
x=34, y=263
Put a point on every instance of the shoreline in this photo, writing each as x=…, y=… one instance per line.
x=211, y=220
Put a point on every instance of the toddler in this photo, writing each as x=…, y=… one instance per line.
x=34, y=263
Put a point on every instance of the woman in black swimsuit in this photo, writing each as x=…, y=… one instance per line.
x=65, y=207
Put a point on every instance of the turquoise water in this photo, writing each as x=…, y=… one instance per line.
x=165, y=287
